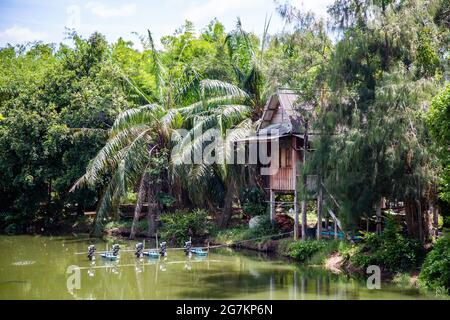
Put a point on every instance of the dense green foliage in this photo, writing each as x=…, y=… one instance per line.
x=439, y=123
x=253, y=202
x=391, y=250
x=302, y=251
x=57, y=106
x=103, y=117
x=385, y=68
x=177, y=227
x=313, y=252
x=435, y=273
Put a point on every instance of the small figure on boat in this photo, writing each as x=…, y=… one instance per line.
x=163, y=251
x=91, y=252
x=187, y=247
x=139, y=248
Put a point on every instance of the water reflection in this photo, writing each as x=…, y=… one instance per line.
x=223, y=274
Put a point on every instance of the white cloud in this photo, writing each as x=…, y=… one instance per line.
x=104, y=11
x=216, y=8
x=18, y=34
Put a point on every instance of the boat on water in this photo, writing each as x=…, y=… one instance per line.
x=109, y=256
x=199, y=251
x=152, y=253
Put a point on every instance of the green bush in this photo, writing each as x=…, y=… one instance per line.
x=435, y=274
x=391, y=250
x=304, y=250
x=166, y=200
x=178, y=226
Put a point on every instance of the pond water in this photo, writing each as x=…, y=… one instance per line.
x=36, y=267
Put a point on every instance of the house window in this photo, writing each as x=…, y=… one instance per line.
x=285, y=157
x=288, y=157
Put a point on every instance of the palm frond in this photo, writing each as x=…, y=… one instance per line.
x=144, y=115
x=158, y=68
x=218, y=87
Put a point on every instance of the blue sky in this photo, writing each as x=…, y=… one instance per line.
x=30, y=20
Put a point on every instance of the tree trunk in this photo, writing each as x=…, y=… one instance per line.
x=435, y=219
x=415, y=221
x=420, y=220
x=153, y=210
x=228, y=205
x=138, y=207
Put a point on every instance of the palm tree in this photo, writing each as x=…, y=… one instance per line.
x=139, y=133
x=134, y=138
x=220, y=109
x=246, y=63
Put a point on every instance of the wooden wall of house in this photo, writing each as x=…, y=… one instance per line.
x=284, y=177
x=279, y=116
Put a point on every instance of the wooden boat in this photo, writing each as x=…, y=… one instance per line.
x=199, y=251
x=109, y=256
x=340, y=235
x=152, y=253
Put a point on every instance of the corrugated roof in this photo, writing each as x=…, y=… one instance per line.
x=291, y=105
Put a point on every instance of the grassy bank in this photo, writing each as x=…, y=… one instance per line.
x=402, y=260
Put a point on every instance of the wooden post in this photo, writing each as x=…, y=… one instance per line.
x=294, y=177
x=304, y=217
x=305, y=147
x=272, y=205
x=335, y=229
x=378, y=213
x=295, y=215
x=319, y=207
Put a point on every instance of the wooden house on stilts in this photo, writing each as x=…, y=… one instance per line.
x=284, y=133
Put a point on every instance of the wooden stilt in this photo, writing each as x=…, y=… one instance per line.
x=295, y=216
x=304, y=218
x=305, y=149
x=272, y=205
x=319, y=208
x=335, y=229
